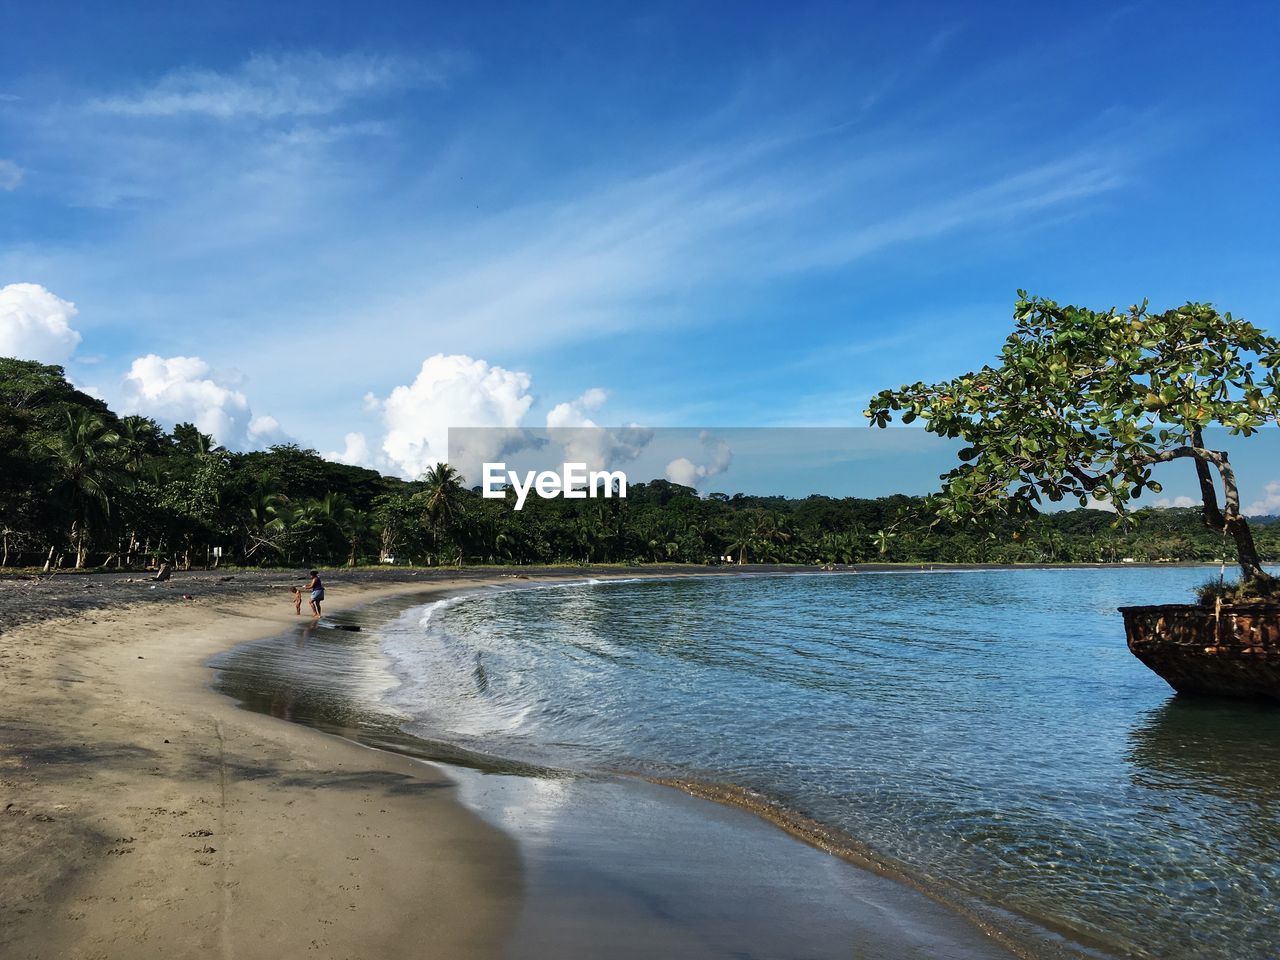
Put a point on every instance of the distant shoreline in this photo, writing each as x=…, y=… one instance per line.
x=31, y=597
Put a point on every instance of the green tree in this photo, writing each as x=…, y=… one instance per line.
x=1085, y=404
x=442, y=499
x=356, y=526
x=85, y=475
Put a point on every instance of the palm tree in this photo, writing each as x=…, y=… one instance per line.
x=883, y=541
x=442, y=500
x=86, y=475
x=356, y=526
x=258, y=520
x=742, y=539
x=140, y=439
x=318, y=524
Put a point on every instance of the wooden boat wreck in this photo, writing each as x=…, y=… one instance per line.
x=1230, y=650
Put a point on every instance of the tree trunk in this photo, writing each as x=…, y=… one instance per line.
x=1250, y=565
x=77, y=540
x=1234, y=524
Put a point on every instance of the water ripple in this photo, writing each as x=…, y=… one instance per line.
x=989, y=729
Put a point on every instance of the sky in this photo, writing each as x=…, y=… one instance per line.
x=352, y=226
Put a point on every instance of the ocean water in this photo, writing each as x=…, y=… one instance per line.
x=988, y=730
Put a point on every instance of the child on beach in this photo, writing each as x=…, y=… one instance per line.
x=297, y=601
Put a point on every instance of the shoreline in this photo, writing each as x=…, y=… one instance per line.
x=30, y=597
x=501, y=873
x=1021, y=936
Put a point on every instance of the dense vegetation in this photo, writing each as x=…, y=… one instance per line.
x=82, y=487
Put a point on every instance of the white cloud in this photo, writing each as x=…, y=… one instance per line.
x=684, y=471
x=452, y=391
x=35, y=324
x=265, y=431
x=183, y=390
x=1270, y=502
x=355, y=452
x=584, y=441
x=269, y=86
x=10, y=175
x=574, y=413
x=1165, y=503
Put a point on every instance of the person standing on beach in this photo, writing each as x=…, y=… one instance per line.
x=317, y=592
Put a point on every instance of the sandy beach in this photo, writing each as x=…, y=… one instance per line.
x=146, y=816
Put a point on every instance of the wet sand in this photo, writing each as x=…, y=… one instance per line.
x=631, y=870
x=146, y=816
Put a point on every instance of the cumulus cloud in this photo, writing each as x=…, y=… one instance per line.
x=265, y=431
x=1269, y=505
x=453, y=391
x=268, y=86
x=35, y=324
x=584, y=441
x=1166, y=502
x=183, y=390
x=10, y=175
x=574, y=413
x=718, y=456
x=355, y=451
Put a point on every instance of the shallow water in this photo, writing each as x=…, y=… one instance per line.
x=988, y=729
x=611, y=866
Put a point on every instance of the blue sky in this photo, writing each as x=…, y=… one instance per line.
x=683, y=214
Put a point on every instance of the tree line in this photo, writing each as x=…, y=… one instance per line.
x=81, y=487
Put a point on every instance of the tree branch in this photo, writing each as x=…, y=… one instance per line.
x=1213, y=518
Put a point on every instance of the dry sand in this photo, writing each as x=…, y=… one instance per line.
x=144, y=816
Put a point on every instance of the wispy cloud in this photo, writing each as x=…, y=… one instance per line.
x=294, y=205
x=10, y=175
x=592, y=261
x=270, y=86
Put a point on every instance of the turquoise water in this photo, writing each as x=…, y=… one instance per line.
x=988, y=729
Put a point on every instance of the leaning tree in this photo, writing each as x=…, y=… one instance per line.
x=1084, y=404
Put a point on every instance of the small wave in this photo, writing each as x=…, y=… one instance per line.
x=431, y=609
